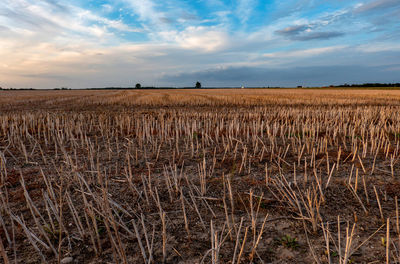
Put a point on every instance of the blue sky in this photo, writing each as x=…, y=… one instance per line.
x=99, y=43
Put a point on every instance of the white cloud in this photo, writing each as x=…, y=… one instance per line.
x=109, y=23
x=206, y=39
x=245, y=8
x=376, y=4
x=378, y=47
x=46, y=20
x=304, y=53
x=146, y=10
x=107, y=8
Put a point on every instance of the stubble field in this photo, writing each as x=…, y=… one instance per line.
x=200, y=176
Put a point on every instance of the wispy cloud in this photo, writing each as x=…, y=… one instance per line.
x=379, y=47
x=304, y=33
x=51, y=19
x=198, y=38
x=293, y=30
x=245, y=9
x=377, y=4
x=294, y=54
x=319, y=35
x=146, y=11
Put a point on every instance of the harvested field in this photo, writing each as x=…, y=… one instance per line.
x=200, y=176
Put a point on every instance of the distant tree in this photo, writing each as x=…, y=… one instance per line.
x=198, y=85
x=138, y=86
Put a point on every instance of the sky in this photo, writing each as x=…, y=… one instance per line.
x=224, y=43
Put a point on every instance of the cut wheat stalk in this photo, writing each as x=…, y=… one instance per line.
x=379, y=203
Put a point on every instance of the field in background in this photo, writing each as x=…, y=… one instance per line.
x=91, y=99
x=200, y=176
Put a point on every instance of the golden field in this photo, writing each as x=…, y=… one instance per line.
x=202, y=97
x=200, y=176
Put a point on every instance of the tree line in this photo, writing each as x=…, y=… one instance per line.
x=369, y=85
